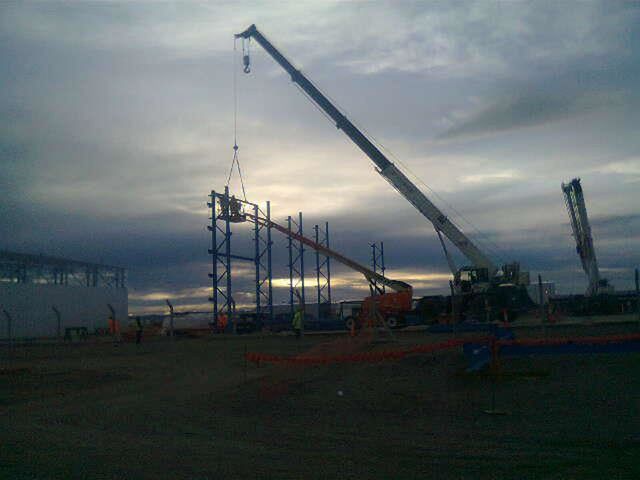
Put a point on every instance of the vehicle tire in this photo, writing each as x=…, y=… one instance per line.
x=350, y=323
x=392, y=321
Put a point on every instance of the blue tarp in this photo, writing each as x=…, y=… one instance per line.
x=568, y=348
x=479, y=355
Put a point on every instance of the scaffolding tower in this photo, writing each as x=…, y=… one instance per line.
x=227, y=210
x=377, y=265
x=323, y=273
x=296, y=263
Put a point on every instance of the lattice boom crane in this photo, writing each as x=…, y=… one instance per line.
x=574, y=199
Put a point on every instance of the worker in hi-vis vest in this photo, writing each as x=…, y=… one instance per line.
x=296, y=323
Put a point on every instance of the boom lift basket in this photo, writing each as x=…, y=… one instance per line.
x=232, y=210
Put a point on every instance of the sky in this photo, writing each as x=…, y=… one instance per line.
x=118, y=120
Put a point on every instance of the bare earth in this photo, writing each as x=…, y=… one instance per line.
x=193, y=409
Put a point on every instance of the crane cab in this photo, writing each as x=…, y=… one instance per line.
x=471, y=279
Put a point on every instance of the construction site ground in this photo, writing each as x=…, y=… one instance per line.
x=193, y=408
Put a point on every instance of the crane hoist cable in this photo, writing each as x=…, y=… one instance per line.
x=236, y=159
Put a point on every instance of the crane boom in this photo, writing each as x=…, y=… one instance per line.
x=385, y=167
x=574, y=198
x=369, y=274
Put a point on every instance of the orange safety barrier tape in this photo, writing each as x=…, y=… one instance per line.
x=372, y=357
x=361, y=357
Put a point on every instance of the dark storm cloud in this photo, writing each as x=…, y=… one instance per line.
x=530, y=110
x=541, y=86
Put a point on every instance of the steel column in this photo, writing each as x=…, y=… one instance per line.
x=377, y=263
x=323, y=270
x=290, y=248
x=223, y=256
x=269, y=273
x=214, y=258
x=296, y=262
x=326, y=238
x=301, y=253
x=256, y=232
x=231, y=324
x=318, y=289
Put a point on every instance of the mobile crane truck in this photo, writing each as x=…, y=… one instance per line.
x=484, y=290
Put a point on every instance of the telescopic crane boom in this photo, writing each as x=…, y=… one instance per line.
x=385, y=167
x=574, y=198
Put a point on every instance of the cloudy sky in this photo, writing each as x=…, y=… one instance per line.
x=117, y=120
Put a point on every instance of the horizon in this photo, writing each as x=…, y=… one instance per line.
x=121, y=123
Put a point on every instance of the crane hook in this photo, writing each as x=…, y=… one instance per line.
x=247, y=63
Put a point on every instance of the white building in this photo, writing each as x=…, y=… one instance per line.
x=41, y=296
x=548, y=290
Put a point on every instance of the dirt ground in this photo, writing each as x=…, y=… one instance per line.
x=194, y=409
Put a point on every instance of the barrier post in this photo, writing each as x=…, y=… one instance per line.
x=245, y=362
x=58, y=323
x=9, y=325
x=454, y=317
x=543, y=319
x=540, y=298
x=494, y=371
x=638, y=294
x=495, y=359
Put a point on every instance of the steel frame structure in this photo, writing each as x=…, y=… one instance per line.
x=323, y=270
x=377, y=265
x=222, y=256
x=296, y=262
x=42, y=269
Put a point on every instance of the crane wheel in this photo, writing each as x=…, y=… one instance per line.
x=392, y=322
